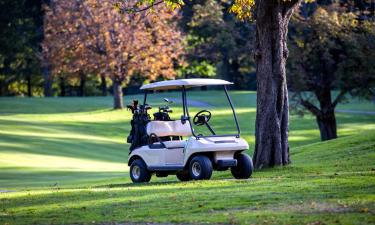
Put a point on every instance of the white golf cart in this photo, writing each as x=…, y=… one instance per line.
x=164, y=146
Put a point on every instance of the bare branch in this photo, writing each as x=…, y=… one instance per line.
x=311, y=107
x=339, y=98
x=135, y=9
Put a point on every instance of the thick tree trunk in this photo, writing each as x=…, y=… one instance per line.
x=272, y=118
x=103, y=85
x=117, y=94
x=326, y=118
x=327, y=126
x=29, y=91
x=82, y=84
x=47, y=81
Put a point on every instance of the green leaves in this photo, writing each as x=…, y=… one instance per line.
x=198, y=69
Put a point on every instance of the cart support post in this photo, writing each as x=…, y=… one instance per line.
x=234, y=112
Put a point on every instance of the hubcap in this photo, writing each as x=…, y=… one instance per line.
x=196, y=169
x=136, y=172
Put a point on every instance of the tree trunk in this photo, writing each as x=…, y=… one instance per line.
x=29, y=92
x=2, y=91
x=47, y=81
x=225, y=68
x=272, y=118
x=325, y=116
x=117, y=94
x=327, y=126
x=82, y=83
x=326, y=119
x=62, y=87
x=103, y=85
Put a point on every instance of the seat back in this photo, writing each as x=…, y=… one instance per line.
x=169, y=128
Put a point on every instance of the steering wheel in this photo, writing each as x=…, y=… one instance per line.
x=201, y=118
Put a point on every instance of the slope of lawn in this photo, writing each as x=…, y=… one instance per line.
x=63, y=160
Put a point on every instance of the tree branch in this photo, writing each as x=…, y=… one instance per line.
x=311, y=107
x=339, y=98
x=137, y=10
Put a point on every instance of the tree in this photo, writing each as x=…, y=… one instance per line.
x=272, y=119
x=20, y=23
x=94, y=37
x=332, y=51
x=216, y=37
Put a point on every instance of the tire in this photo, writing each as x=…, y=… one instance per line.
x=244, y=167
x=183, y=175
x=139, y=172
x=200, y=168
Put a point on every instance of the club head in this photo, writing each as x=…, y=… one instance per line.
x=168, y=101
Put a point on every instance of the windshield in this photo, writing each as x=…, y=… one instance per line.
x=168, y=102
x=210, y=112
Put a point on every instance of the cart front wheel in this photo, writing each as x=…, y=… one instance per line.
x=139, y=172
x=200, y=168
x=244, y=167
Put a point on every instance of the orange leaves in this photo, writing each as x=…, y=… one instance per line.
x=92, y=37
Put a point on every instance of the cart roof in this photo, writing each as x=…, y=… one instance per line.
x=176, y=84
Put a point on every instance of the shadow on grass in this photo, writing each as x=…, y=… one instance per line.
x=164, y=202
x=130, y=184
x=18, y=178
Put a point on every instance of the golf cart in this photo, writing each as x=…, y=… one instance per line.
x=163, y=146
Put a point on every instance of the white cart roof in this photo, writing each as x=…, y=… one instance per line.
x=175, y=84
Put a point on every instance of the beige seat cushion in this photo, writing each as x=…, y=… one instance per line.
x=174, y=144
x=169, y=128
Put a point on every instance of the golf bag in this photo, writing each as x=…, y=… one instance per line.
x=138, y=135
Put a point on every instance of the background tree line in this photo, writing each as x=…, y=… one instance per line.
x=85, y=47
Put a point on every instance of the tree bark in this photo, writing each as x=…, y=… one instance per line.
x=272, y=118
x=82, y=84
x=29, y=91
x=47, y=81
x=117, y=94
x=326, y=119
x=2, y=91
x=62, y=87
x=103, y=85
x=325, y=116
x=327, y=126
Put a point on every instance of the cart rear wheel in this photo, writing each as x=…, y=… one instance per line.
x=139, y=172
x=183, y=175
x=244, y=167
x=200, y=168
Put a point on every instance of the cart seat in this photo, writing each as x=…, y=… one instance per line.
x=169, y=128
x=174, y=144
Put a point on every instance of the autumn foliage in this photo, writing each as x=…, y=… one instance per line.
x=91, y=36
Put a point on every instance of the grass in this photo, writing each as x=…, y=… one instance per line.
x=65, y=162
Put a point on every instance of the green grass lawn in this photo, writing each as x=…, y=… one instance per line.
x=64, y=161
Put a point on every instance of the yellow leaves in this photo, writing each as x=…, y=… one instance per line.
x=242, y=8
x=300, y=43
x=174, y=4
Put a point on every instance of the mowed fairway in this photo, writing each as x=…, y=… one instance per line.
x=63, y=161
